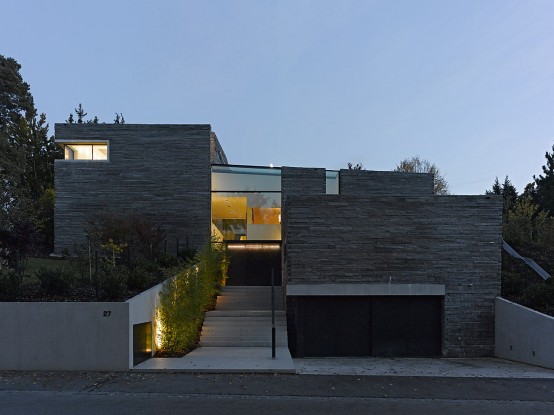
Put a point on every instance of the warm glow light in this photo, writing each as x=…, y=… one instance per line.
x=159, y=329
x=254, y=246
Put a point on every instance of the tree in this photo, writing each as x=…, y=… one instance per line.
x=508, y=192
x=545, y=184
x=80, y=112
x=417, y=165
x=26, y=162
x=358, y=166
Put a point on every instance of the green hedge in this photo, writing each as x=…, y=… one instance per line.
x=185, y=299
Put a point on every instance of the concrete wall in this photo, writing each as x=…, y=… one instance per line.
x=161, y=172
x=142, y=309
x=450, y=240
x=523, y=335
x=64, y=336
x=383, y=183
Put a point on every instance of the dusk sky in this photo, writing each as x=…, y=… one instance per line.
x=468, y=85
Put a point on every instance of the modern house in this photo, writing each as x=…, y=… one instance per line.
x=373, y=264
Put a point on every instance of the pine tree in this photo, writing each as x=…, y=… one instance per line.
x=81, y=114
x=545, y=184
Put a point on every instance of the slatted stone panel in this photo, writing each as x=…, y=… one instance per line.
x=384, y=183
x=161, y=172
x=450, y=240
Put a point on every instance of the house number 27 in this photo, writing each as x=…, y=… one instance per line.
x=107, y=313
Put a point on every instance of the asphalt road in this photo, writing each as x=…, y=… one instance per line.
x=158, y=393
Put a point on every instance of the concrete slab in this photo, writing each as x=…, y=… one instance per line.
x=224, y=360
x=374, y=366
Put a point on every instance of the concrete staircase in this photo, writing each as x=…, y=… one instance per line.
x=242, y=318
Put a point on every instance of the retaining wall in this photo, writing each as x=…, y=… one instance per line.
x=73, y=335
x=523, y=335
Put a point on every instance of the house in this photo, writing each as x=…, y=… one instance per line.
x=373, y=263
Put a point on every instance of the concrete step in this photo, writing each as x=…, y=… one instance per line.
x=240, y=323
x=241, y=344
x=243, y=313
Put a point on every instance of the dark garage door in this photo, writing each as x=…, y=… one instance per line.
x=367, y=326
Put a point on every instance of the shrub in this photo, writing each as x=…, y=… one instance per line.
x=10, y=285
x=113, y=282
x=185, y=299
x=140, y=278
x=513, y=284
x=55, y=281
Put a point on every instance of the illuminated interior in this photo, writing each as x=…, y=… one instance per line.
x=246, y=203
x=86, y=151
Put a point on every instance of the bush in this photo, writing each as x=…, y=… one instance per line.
x=10, y=285
x=513, y=284
x=113, y=282
x=140, y=278
x=185, y=299
x=55, y=281
x=539, y=297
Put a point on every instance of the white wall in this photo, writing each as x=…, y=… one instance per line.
x=523, y=335
x=64, y=336
x=142, y=308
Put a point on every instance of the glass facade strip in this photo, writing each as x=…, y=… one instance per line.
x=242, y=178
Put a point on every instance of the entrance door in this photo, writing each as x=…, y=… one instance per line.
x=251, y=263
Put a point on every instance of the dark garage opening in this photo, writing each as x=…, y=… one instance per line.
x=388, y=326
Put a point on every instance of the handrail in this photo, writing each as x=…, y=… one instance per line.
x=272, y=313
x=532, y=264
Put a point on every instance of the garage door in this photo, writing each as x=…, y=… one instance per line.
x=366, y=326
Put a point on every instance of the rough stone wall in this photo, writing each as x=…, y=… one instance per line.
x=384, y=183
x=298, y=181
x=161, y=172
x=451, y=240
x=302, y=181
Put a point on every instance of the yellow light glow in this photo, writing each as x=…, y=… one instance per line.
x=254, y=246
x=159, y=329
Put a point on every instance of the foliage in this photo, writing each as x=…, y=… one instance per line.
x=417, y=165
x=55, y=281
x=526, y=224
x=113, y=248
x=10, y=285
x=185, y=299
x=27, y=157
x=508, y=192
x=112, y=282
x=358, y=166
x=545, y=184
x=141, y=238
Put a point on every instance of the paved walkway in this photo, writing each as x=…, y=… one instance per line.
x=236, y=337
x=432, y=367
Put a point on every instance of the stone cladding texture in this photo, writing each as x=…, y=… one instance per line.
x=161, y=172
x=383, y=183
x=450, y=240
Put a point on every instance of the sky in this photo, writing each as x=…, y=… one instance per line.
x=465, y=84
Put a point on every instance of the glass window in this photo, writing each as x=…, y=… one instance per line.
x=238, y=216
x=86, y=151
x=332, y=182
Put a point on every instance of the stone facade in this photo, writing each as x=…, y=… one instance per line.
x=383, y=183
x=161, y=172
x=453, y=241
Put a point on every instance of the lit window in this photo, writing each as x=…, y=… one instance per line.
x=86, y=151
